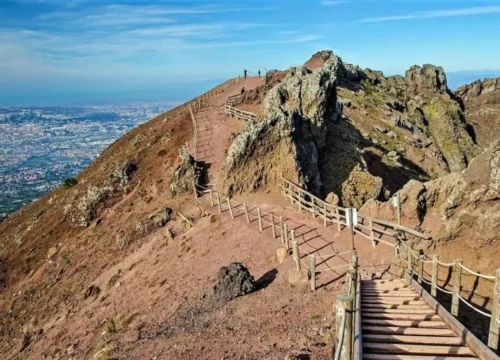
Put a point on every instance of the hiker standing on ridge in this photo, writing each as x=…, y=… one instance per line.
x=245, y=72
x=259, y=73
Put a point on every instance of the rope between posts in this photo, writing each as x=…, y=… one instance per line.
x=445, y=264
x=487, y=277
x=425, y=281
x=305, y=265
x=443, y=290
x=473, y=307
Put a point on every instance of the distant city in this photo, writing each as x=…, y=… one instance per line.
x=42, y=146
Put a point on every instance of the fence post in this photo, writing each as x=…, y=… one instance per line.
x=351, y=227
x=344, y=310
x=218, y=201
x=272, y=222
x=287, y=245
x=372, y=234
x=246, y=212
x=409, y=255
x=195, y=191
x=313, y=207
x=324, y=215
x=494, y=326
x=435, y=259
x=457, y=278
x=313, y=272
x=337, y=214
x=259, y=215
x=300, y=200
x=296, y=255
x=230, y=208
x=282, y=230
x=420, y=268
x=398, y=209
x=211, y=197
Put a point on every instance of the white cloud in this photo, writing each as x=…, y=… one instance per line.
x=437, y=14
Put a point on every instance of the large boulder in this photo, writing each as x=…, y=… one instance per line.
x=432, y=108
x=233, y=281
x=360, y=187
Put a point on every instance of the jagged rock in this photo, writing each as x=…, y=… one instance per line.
x=481, y=100
x=187, y=173
x=381, y=129
x=392, y=135
x=161, y=216
x=360, y=187
x=478, y=88
x=85, y=209
x=292, y=133
x=122, y=174
x=462, y=205
x=233, y=281
x=332, y=198
x=431, y=108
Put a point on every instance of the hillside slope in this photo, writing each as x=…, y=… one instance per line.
x=111, y=264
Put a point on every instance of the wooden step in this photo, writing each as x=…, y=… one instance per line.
x=409, y=339
x=394, y=330
x=370, y=356
x=393, y=302
x=418, y=317
x=392, y=299
x=382, y=281
x=417, y=349
x=405, y=323
x=384, y=288
x=394, y=306
x=427, y=311
x=402, y=293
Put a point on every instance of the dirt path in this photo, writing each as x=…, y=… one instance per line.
x=215, y=128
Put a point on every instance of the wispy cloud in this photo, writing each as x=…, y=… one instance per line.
x=332, y=2
x=102, y=40
x=481, y=10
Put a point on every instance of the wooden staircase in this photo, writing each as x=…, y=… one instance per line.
x=397, y=324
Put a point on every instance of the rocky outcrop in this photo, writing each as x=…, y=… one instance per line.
x=482, y=104
x=291, y=135
x=392, y=85
x=432, y=109
x=461, y=206
x=188, y=172
x=478, y=88
x=360, y=187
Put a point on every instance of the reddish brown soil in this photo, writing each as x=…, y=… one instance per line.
x=60, y=307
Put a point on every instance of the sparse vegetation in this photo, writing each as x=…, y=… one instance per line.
x=70, y=182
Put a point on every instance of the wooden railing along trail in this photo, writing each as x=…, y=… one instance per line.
x=394, y=346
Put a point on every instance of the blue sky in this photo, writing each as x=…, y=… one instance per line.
x=94, y=51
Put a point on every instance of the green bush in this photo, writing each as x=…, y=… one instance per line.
x=70, y=182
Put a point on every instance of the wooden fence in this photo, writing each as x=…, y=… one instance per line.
x=279, y=228
x=416, y=262
x=373, y=230
x=201, y=101
x=235, y=112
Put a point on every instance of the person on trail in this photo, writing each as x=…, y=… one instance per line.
x=259, y=72
x=245, y=72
